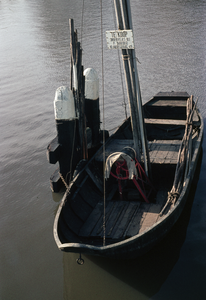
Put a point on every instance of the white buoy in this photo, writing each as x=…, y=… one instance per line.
x=91, y=84
x=64, y=107
x=92, y=103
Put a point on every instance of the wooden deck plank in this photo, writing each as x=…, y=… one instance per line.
x=114, y=217
x=137, y=220
x=161, y=151
x=123, y=222
x=123, y=219
x=165, y=102
x=91, y=221
x=174, y=95
x=164, y=152
x=165, y=122
x=97, y=230
x=151, y=216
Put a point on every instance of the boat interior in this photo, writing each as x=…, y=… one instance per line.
x=128, y=212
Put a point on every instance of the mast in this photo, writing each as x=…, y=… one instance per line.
x=124, y=22
x=78, y=87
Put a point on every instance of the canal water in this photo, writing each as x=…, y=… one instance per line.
x=170, y=40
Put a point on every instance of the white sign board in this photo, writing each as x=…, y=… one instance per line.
x=120, y=39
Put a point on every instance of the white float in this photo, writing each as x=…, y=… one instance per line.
x=64, y=107
x=91, y=84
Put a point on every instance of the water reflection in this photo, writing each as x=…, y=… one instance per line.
x=139, y=278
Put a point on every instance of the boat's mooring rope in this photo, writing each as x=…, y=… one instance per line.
x=63, y=180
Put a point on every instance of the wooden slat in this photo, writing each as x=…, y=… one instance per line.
x=160, y=151
x=151, y=216
x=164, y=102
x=137, y=220
x=164, y=151
x=173, y=95
x=123, y=219
x=123, y=222
x=98, y=229
x=92, y=221
x=165, y=122
x=113, y=219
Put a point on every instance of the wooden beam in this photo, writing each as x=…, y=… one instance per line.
x=165, y=122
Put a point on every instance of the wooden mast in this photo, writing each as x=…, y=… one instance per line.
x=124, y=22
x=78, y=86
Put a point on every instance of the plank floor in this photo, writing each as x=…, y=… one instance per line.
x=164, y=151
x=123, y=219
x=161, y=151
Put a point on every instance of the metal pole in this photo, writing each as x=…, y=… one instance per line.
x=137, y=86
x=130, y=86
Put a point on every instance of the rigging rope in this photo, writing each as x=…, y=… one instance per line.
x=184, y=158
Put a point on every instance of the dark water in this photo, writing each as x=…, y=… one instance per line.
x=170, y=38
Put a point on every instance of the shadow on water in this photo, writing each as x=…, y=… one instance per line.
x=144, y=275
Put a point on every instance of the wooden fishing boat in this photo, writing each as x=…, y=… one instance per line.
x=132, y=225
x=129, y=189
